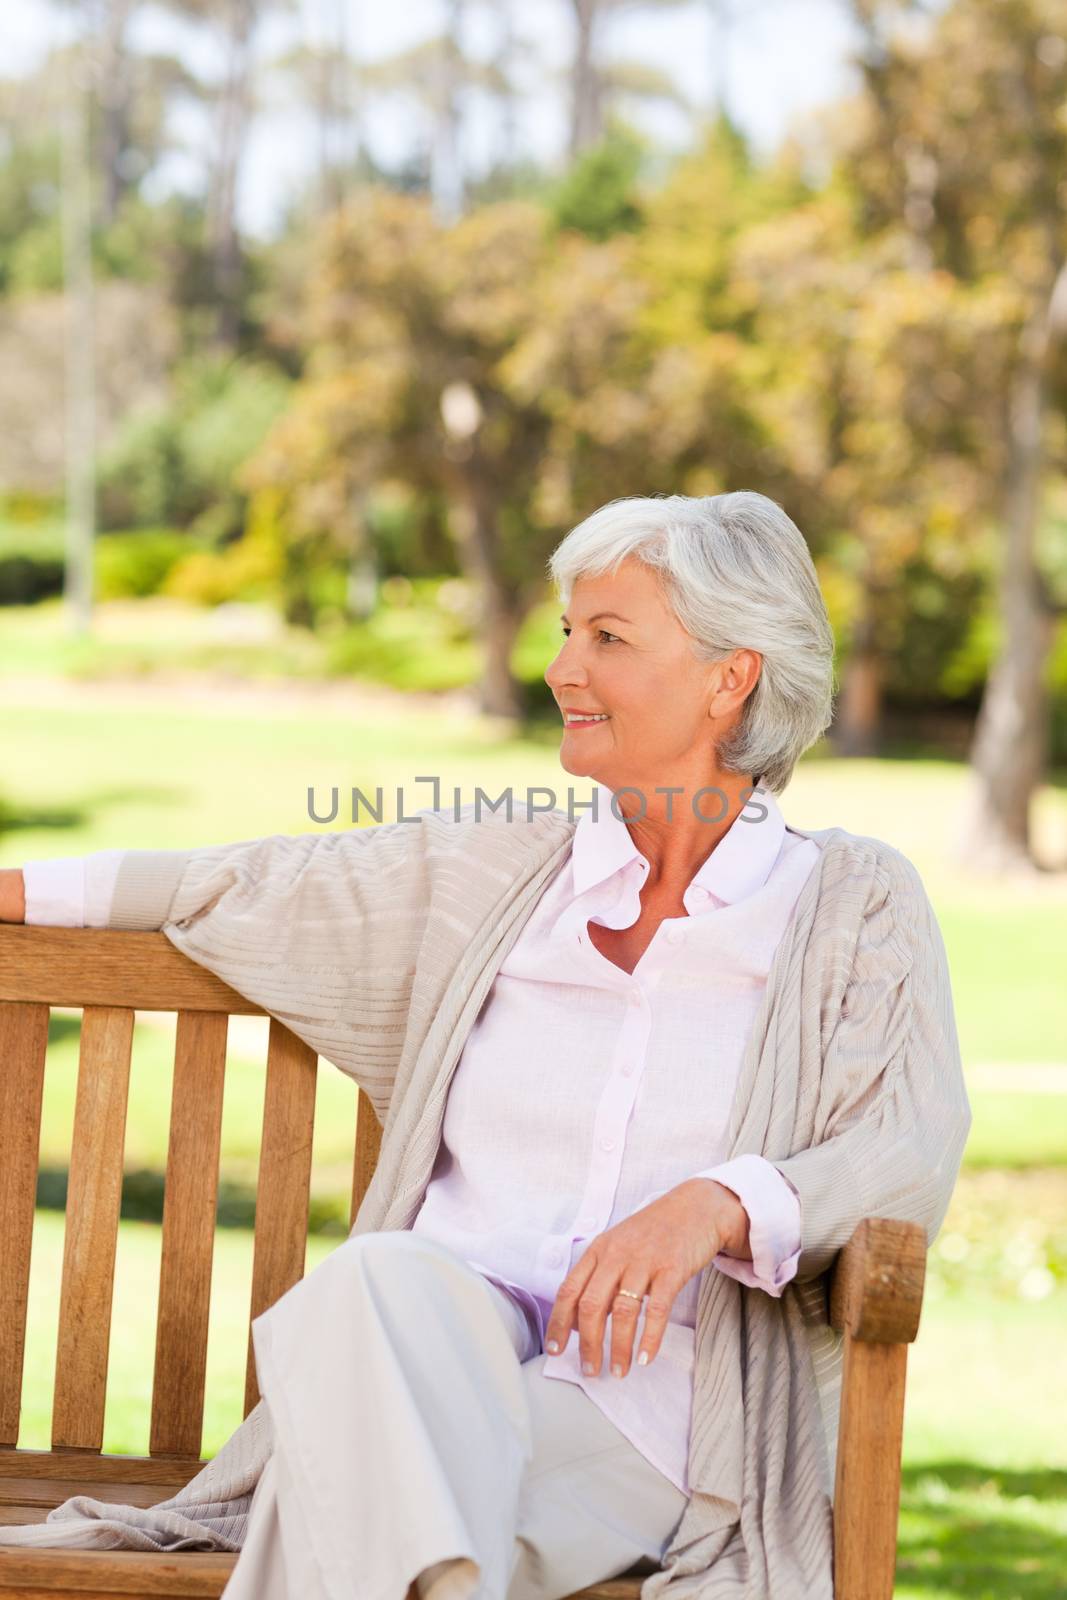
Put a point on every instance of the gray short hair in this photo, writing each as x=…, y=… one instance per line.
x=737, y=573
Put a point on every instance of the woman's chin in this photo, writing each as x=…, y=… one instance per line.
x=573, y=762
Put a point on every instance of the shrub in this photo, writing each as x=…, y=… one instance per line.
x=137, y=563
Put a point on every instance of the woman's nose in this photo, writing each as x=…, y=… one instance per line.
x=563, y=669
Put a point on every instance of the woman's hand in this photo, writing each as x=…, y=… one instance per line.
x=12, y=895
x=655, y=1251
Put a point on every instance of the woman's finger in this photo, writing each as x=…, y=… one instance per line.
x=594, y=1303
x=565, y=1310
x=662, y=1293
x=624, y=1314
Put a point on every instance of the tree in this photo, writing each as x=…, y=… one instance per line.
x=409, y=323
x=328, y=81
x=599, y=84
x=437, y=73
x=972, y=112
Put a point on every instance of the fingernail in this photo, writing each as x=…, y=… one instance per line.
x=642, y=1360
x=587, y=1368
x=552, y=1347
x=616, y=1372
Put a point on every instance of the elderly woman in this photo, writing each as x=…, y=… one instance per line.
x=641, y=1074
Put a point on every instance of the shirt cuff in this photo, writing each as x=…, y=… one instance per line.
x=774, y=1216
x=71, y=891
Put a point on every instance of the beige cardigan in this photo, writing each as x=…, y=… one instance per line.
x=378, y=947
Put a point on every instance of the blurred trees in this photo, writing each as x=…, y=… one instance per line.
x=964, y=155
x=435, y=369
x=408, y=324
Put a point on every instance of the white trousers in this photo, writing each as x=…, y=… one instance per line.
x=416, y=1441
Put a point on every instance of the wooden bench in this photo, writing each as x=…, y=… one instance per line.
x=876, y=1283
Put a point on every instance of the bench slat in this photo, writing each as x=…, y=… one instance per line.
x=189, y=1203
x=108, y=967
x=368, y=1146
x=94, y=1195
x=284, y=1185
x=105, y=1574
x=36, y=1496
x=23, y=1044
x=93, y=1469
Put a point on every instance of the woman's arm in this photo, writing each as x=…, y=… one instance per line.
x=12, y=895
x=70, y=891
x=893, y=1109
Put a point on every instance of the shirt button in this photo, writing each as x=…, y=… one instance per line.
x=627, y=1069
x=635, y=997
x=555, y=1257
x=607, y=1144
x=675, y=935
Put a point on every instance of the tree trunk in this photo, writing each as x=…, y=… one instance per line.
x=859, y=716
x=502, y=605
x=499, y=695
x=114, y=99
x=225, y=244
x=79, y=348
x=1010, y=749
x=504, y=62
x=446, y=159
x=586, y=117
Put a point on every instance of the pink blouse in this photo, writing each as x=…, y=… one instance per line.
x=583, y=1093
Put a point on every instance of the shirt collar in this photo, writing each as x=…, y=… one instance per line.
x=740, y=863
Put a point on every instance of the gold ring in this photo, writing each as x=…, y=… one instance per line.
x=630, y=1294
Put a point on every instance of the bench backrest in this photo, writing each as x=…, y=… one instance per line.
x=109, y=975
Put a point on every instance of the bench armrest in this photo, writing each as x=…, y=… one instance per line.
x=876, y=1285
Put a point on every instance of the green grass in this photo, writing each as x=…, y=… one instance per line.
x=984, y=1482
x=1017, y=1130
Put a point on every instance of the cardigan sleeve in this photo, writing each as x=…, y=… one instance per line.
x=158, y=889
x=893, y=1114
x=321, y=930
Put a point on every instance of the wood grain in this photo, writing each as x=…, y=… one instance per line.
x=368, y=1146
x=133, y=1574
x=23, y=1045
x=189, y=1204
x=95, y=1470
x=284, y=1187
x=877, y=1287
x=106, y=967
x=94, y=1195
x=867, y=1485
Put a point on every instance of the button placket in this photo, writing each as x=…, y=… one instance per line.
x=613, y=1116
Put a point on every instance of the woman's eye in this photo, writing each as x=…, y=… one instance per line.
x=604, y=634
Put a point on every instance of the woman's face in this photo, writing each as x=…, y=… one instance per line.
x=637, y=666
